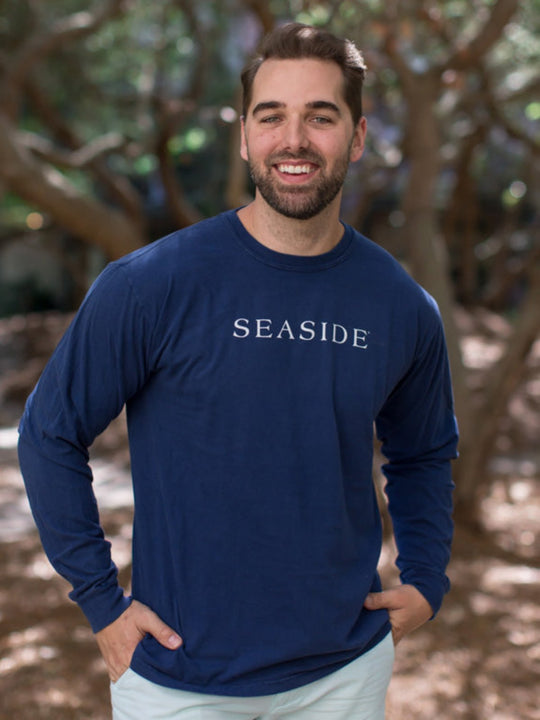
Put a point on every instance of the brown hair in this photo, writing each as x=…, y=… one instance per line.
x=295, y=40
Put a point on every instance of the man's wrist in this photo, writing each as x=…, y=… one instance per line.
x=104, y=610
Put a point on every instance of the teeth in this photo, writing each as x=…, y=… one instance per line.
x=295, y=169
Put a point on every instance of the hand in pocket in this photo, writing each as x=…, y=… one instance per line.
x=117, y=641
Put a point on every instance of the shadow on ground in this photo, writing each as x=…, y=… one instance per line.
x=478, y=660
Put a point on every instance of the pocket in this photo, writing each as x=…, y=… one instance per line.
x=128, y=668
x=122, y=679
x=388, y=645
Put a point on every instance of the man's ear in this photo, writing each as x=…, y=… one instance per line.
x=243, y=143
x=359, y=138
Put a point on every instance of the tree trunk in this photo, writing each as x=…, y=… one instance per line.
x=428, y=253
x=462, y=217
x=427, y=250
x=236, y=192
x=477, y=446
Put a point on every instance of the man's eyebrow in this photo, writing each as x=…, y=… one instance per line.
x=269, y=105
x=315, y=105
x=324, y=105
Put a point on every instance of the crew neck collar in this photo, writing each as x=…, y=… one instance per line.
x=285, y=261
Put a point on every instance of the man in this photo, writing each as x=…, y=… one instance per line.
x=254, y=351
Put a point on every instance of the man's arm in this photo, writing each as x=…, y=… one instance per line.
x=419, y=436
x=101, y=362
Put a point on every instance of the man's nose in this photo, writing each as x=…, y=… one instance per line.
x=295, y=135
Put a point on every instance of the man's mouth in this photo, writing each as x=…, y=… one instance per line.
x=295, y=169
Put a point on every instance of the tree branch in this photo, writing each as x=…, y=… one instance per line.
x=43, y=186
x=183, y=212
x=169, y=113
x=200, y=68
x=76, y=159
x=261, y=10
x=520, y=270
x=530, y=89
x=391, y=45
x=466, y=56
x=501, y=381
x=493, y=106
x=42, y=44
x=118, y=187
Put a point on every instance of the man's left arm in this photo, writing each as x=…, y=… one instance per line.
x=418, y=432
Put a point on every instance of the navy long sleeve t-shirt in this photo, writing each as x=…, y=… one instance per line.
x=252, y=381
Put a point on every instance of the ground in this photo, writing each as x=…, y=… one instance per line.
x=478, y=660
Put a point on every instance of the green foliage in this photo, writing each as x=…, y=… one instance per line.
x=169, y=69
x=179, y=57
x=13, y=212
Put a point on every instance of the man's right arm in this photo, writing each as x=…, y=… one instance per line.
x=103, y=359
x=100, y=362
x=58, y=481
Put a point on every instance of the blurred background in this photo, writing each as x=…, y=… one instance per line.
x=119, y=123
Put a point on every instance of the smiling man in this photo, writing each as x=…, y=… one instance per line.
x=254, y=352
x=299, y=137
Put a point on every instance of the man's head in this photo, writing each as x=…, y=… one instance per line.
x=302, y=124
x=297, y=41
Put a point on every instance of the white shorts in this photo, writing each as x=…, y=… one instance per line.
x=355, y=692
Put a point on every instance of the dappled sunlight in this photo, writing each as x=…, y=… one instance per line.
x=15, y=517
x=39, y=568
x=478, y=660
x=502, y=578
x=8, y=438
x=53, y=697
x=27, y=647
x=512, y=510
x=479, y=354
x=120, y=124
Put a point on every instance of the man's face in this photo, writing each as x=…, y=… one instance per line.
x=298, y=135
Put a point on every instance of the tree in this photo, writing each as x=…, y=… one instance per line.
x=138, y=68
x=453, y=157
x=423, y=87
x=451, y=61
x=28, y=161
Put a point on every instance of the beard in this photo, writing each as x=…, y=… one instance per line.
x=295, y=201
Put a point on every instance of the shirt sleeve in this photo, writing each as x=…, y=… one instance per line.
x=418, y=432
x=100, y=362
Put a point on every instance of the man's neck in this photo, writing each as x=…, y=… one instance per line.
x=315, y=236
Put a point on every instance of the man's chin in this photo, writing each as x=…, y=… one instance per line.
x=295, y=211
x=300, y=213
x=293, y=204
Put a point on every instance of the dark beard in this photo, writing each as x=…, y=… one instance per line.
x=296, y=202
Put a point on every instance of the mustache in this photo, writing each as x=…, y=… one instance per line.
x=307, y=155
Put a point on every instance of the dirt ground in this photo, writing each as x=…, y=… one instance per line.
x=478, y=660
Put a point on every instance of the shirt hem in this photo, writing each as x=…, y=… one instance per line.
x=258, y=689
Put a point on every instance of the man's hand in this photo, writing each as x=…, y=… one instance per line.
x=407, y=607
x=117, y=641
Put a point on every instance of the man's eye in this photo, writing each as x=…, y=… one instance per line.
x=270, y=119
x=321, y=120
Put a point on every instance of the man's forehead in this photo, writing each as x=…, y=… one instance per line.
x=302, y=81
